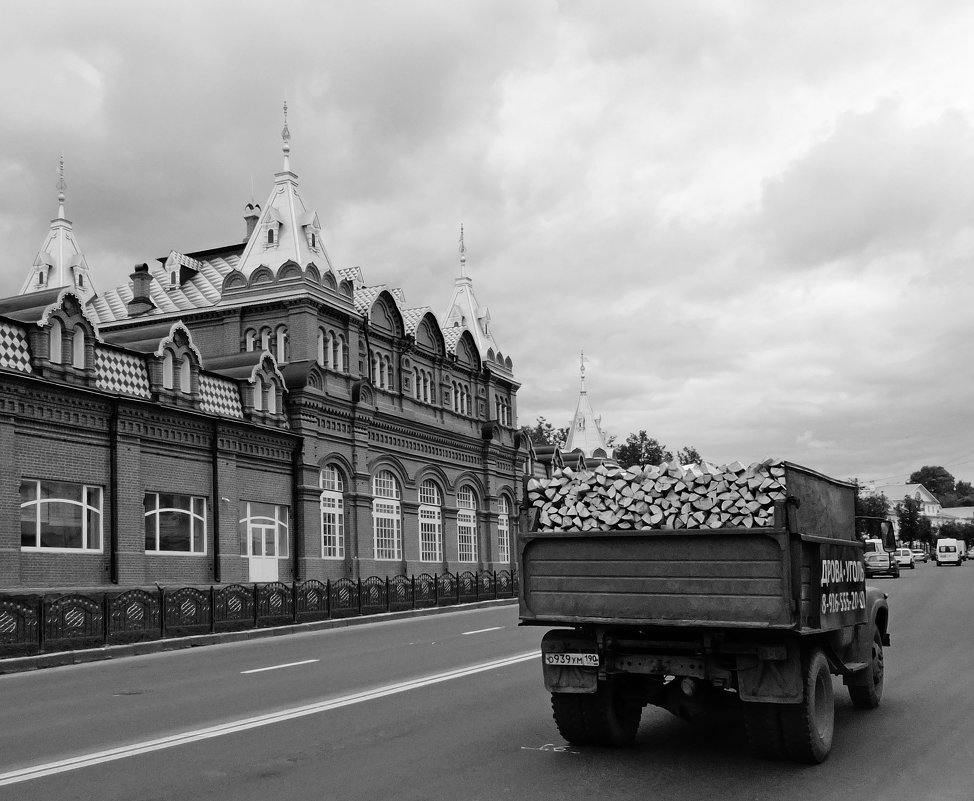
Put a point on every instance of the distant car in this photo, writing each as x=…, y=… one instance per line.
x=904, y=558
x=881, y=563
x=970, y=553
x=919, y=555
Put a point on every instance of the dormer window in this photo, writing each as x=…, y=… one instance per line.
x=40, y=278
x=174, y=279
x=81, y=281
x=270, y=236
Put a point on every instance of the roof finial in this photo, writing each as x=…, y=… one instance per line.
x=463, y=255
x=61, y=187
x=582, y=368
x=286, y=136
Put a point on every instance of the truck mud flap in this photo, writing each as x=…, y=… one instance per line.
x=776, y=681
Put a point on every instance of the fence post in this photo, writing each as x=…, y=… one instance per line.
x=294, y=601
x=360, y=596
x=476, y=579
x=458, y=585
x=256, y=604
x=328, y=597
x=105, y=606
x=436, y=590
x=41, y=623
x=212, y=609
x=412, y=585
x=162, y=611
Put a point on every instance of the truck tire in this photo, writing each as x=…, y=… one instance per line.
x=869, y=693
x=808, y=726
x=764, y=733
x=600, y=718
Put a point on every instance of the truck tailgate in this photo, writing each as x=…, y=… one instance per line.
x=722, y=577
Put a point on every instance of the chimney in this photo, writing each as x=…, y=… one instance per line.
x=141, y=302
x=251, y=216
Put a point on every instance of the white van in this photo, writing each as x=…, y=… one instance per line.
x=948, y=552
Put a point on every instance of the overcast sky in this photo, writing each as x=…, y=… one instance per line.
x=757, y=219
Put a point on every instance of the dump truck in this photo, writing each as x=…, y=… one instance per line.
x=687, y=587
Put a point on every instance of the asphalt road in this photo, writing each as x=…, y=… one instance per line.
x=453, y=707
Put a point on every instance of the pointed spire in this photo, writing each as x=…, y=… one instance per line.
x=582, y=370
x=585, y=433
x=463, y=255
x=61, y=187
x=286, y=136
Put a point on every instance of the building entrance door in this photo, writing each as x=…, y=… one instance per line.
x=263, y=552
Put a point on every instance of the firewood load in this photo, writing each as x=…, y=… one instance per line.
x=670, y=496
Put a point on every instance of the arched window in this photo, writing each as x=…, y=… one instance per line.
x=251, y=339
x=466, y=525
x=281, y=344
x=270, y=236
x=167, y=370
x=332, y=513
x=430, y=522
x=78, y=347
x=503, y=530
x=340, y=351
x=54, y=340
x=272, y=396
x=185, y=371
x=265, y=339
x=386, y=516
x=258, y=393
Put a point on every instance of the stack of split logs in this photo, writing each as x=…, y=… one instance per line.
x=665, y=496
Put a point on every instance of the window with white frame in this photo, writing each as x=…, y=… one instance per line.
x=55, y=336
x=167, y=369
x=60, y=515
x=264, y=530
x=386, y=516
x=503, y=530
x=175, y=523
x=430, y=522
x=332, y=513
x=78, y=347
x=466, y=525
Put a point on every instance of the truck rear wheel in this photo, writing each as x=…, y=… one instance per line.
x=808, y=726
x=764, y=734
x=868, y=693
x=604, y=717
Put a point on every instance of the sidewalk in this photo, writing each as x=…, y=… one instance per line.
x=21, y=664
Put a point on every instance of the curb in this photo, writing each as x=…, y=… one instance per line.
x=22, y=664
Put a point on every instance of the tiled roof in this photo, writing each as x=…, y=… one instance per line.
x=412, y=317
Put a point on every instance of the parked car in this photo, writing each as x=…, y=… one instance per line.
x=904, y=558
x=881, y=563
x=919, y=555
x=970, y=553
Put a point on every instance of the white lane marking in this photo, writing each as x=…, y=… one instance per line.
x=481, y=631
x=277, y=667
x=147, y=746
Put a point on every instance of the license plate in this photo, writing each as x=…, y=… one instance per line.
x=573, y=660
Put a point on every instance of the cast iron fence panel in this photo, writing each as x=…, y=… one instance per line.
x=31, y=624
x=275, y=604
x=400, y=593
x=233, y=608
x=343, y=597
x=134, y=615
x=187, y=611
x=311, y=600
x=424, y=594
x=374, y=597
x=446, y=589
x=467, y=591
x=74, y=621
x=19, y=629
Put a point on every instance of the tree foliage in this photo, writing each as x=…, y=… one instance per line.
x=958, y=531
x=641, y=449
x=871, y=505
x=936, y=480
x=913, y=526
x=544, y=433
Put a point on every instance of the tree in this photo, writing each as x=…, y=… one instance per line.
x=688, y=455
x=914, y=526
x=936, y=480
x=640, y=449
x=958, y=531
x=871, y=505
x=544, y=433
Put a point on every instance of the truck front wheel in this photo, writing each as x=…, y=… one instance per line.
x=808, y=726
x=868, y=691
x=604, y=717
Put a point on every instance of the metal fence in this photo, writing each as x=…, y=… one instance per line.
x=32, y=624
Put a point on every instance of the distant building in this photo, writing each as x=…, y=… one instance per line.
x=930, y=507
x=250, y=412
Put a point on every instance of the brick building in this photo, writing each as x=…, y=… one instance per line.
x=248, y=413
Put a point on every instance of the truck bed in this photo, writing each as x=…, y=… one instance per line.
x=723, y=577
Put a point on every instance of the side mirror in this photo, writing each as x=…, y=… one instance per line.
x=888, y=536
